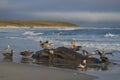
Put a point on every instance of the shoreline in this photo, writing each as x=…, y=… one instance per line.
x=39, y=27
x=14, y=71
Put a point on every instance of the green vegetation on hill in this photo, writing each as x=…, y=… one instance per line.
x=36, y=23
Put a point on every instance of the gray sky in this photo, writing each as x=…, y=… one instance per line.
x=89, y=11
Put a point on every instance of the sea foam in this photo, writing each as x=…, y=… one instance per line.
x=31, y=33
x=110, y=35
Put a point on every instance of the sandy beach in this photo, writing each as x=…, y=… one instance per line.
x=12, y=71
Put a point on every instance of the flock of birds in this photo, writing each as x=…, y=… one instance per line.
x=88, y=57
x=8, y=52
x=103, y=60
x=46, y=45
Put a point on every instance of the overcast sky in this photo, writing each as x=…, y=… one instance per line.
x=80, y=11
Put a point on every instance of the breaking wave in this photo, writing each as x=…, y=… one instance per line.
x=15, y=38
x=86, y=44
x=110, y=35
x=101, y=45
x=31, y=33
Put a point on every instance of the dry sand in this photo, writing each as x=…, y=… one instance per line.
x=13, y=71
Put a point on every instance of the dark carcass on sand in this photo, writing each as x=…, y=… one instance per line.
x=60, y=53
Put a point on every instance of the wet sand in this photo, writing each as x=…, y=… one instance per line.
x=13, y=71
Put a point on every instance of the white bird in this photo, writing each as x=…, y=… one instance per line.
x=83, y=65
x=7, y=48
x=73, y=45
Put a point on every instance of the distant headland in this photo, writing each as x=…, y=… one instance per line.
x=35, y=24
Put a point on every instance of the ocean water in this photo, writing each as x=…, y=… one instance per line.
x=106, y=39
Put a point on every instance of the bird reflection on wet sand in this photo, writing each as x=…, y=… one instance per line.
x=7, y=59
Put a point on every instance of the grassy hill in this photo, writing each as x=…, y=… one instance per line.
x=36, y=23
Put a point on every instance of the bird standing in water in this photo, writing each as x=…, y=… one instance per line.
x=8, y=54
x=7, y=48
